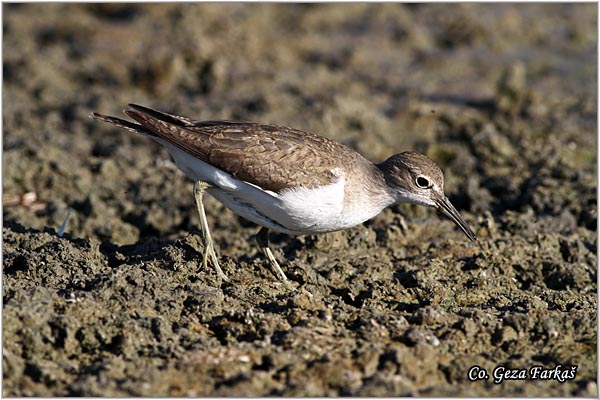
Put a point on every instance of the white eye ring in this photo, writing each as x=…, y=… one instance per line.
x=423, y=182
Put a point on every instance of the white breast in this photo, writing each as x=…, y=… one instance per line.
x=293, y=211
x=314, y=210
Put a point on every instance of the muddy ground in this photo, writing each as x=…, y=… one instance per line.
x=503, y=97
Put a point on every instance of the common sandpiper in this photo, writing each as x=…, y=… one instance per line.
x=287, y=180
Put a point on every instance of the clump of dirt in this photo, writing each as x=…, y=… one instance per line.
x=502, y=96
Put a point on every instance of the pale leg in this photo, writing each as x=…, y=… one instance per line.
x=262, y=239
x=199, y=188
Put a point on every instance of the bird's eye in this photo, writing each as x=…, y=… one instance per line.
x=423, y=182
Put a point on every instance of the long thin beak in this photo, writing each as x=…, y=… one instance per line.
x=444, y=205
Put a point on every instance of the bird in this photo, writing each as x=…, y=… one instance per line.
x=284, y=179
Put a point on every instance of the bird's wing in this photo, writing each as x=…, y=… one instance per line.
x=272, y=157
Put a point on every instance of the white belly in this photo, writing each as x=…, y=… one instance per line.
x=294, y=211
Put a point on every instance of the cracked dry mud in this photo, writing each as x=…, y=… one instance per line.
x=502, y=96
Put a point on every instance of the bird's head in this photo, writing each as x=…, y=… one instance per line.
x=414, y=178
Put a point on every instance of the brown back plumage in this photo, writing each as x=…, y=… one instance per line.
x=271, y=157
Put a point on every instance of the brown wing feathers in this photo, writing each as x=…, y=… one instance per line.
x=271, y=157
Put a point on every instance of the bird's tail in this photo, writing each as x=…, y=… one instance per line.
x=161, y=116
x=121, y=123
